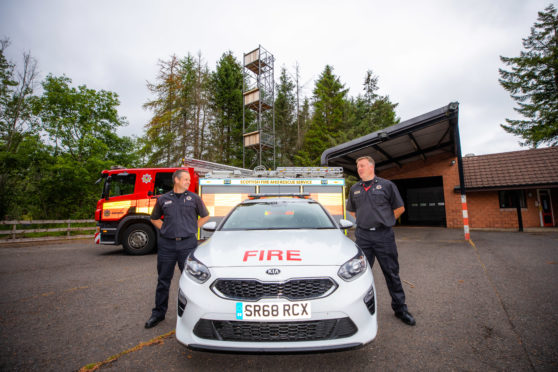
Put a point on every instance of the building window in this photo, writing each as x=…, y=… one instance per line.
x=508, y=198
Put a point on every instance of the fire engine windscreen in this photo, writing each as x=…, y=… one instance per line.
x=276, y=215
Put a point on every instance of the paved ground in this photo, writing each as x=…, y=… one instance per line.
x=488, y=306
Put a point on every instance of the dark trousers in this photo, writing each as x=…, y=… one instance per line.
x=380, y=245
x=170, y=251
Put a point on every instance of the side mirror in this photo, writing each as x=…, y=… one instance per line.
x=150, y=193
x=210, y=226
x=345, y=224
x=106, y=188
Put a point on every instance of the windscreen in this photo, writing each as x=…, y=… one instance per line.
x=277, y=216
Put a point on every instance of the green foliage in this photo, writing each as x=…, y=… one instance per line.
x=16, y=125
x=328, y=121
x=200, y=114
x=7, y=85
x=179, y=125
x=226, y=103
x=81, y=125
x=194, y=111
x=371, y=112
x=285, y=120
x=16, y=91
x=337, y=118
x=79, y=121
x=54, y=146
x=160, y=147
x=533, y=83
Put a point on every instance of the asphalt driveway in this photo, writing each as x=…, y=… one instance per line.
x=491, y=304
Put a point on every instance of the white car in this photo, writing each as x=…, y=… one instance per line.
x=278, y=275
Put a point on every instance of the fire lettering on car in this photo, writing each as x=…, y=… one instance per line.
x=272, y=255
x=293, y=255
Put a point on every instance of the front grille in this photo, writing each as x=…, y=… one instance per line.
x=292, y=289
x=315, y=330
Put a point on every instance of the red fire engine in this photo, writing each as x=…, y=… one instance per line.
x=129, y=196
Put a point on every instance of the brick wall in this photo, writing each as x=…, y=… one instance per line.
x=484, y=207
x=485, y=211
x=435, y=166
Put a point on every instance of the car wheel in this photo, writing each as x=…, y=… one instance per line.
x=138, y=239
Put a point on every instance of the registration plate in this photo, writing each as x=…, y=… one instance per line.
x=273, y=310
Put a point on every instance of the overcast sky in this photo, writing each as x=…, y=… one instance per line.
x=426, y=53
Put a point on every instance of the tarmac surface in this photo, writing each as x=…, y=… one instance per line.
x=490, y=304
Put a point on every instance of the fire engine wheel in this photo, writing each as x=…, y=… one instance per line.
x=138, y=239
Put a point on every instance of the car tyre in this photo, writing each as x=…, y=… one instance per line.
x=138, y=239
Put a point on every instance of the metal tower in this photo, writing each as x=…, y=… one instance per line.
x=258, y=92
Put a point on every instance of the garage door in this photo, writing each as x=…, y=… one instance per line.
x=424, y=201
x=426, y=206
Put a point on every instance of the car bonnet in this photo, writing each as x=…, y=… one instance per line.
x=278, y=247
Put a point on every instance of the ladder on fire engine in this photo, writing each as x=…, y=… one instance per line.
x=204, y=167
x=309, y=172
x=280, y=172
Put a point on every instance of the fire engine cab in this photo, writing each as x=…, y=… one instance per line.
x=129, y=195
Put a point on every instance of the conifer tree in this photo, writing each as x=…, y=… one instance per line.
x=160, y=144
x=370, y=111
x=194, y=106
x=328, y=120
x=532, y=82
x=226, y=96
x=285, y=124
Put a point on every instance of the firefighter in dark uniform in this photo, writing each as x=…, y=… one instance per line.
x=176, y=237
x=377, y=205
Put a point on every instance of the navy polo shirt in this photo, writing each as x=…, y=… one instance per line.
x=181, y=213
x=374, y=205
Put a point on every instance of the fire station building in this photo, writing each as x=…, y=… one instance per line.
x=422, y=156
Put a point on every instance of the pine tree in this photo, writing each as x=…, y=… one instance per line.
x=328, y=121
x=194, y=106
x=533, y=83
x=285, y=124
x=370, y=111
x=226, y=103
x=160, y=143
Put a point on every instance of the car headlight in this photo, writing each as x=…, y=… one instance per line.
x=351, y=269
x=197, y=271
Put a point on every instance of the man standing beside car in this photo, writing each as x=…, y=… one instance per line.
x=176, y=236
x=376, y=204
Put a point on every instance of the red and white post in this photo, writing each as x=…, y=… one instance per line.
x=465, y=217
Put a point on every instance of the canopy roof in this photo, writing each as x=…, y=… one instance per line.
x=418, y=138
